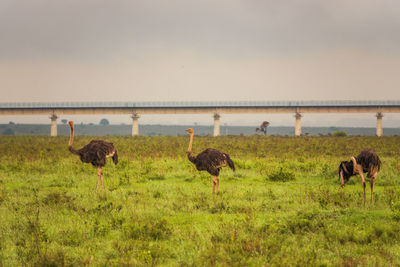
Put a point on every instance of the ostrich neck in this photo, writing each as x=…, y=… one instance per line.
x=71, y=140
x=71, y=137
x=190, y=143
x=354, y=165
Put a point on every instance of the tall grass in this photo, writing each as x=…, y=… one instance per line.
x=159, y=210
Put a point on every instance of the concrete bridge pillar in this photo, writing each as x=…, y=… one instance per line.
x=379, y=130
x=135, y=124
x=216, y=124
x=297, y=129
x=53, y=129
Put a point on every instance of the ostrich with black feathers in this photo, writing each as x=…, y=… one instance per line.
x=263, y=127
x=96, y=153
x=366, y=161
x=210, y=160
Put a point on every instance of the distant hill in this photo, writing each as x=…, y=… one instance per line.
x=100, y=130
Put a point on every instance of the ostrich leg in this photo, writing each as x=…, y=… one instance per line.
x=101, y=177
x=372, y=189
x=99, y=173
x=363, y=184
x=215, y=183
x=372, y=184
x=360, y=171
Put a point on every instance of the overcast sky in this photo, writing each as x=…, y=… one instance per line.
x=126, y=50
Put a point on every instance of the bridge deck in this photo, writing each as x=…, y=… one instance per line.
x=91, y=108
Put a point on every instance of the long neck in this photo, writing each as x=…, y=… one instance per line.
x=354, y=165
x=71, y=136
x=189, y=153
x=190, y=143
x=71, y=140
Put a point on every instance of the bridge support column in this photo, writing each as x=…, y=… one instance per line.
x=53, y=129
x=135, y=124
x=379, y=130
x=297, y=129
x=216, y=124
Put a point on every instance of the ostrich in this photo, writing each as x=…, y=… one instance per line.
x=96, y=152
x=263, y=127
x=210, y=160
x=366, y=161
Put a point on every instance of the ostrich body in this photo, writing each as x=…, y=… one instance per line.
x=210, y=160
x=96, y=153
x=366, y=161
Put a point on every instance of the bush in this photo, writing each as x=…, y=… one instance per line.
x=104, y=122
x=395, y=207
x=282, y=175
x=147, y=229
x=339, y=133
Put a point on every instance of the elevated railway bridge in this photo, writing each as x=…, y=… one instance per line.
x=216, y=109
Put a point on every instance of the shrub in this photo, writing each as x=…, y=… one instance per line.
x=282, y=175
x=104, y=122
x=339, y=133
x=147, y=229
x=395, y=207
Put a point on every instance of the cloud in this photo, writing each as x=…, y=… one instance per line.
x=101, y=50
x=100, y=30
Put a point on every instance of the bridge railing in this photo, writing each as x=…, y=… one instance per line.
x=197, y=104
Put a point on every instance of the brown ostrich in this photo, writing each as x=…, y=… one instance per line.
x=366, y=161
x=263, y=127
x=210, y=160
x=96, y=153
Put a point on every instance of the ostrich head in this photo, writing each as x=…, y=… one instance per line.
x=189, y=130
x=345, y=171
x=71, y=124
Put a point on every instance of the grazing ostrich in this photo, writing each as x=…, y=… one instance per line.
x=96, y=152
x=210, y=160
x=366, y=161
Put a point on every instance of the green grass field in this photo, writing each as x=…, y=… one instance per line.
x=282, y=207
